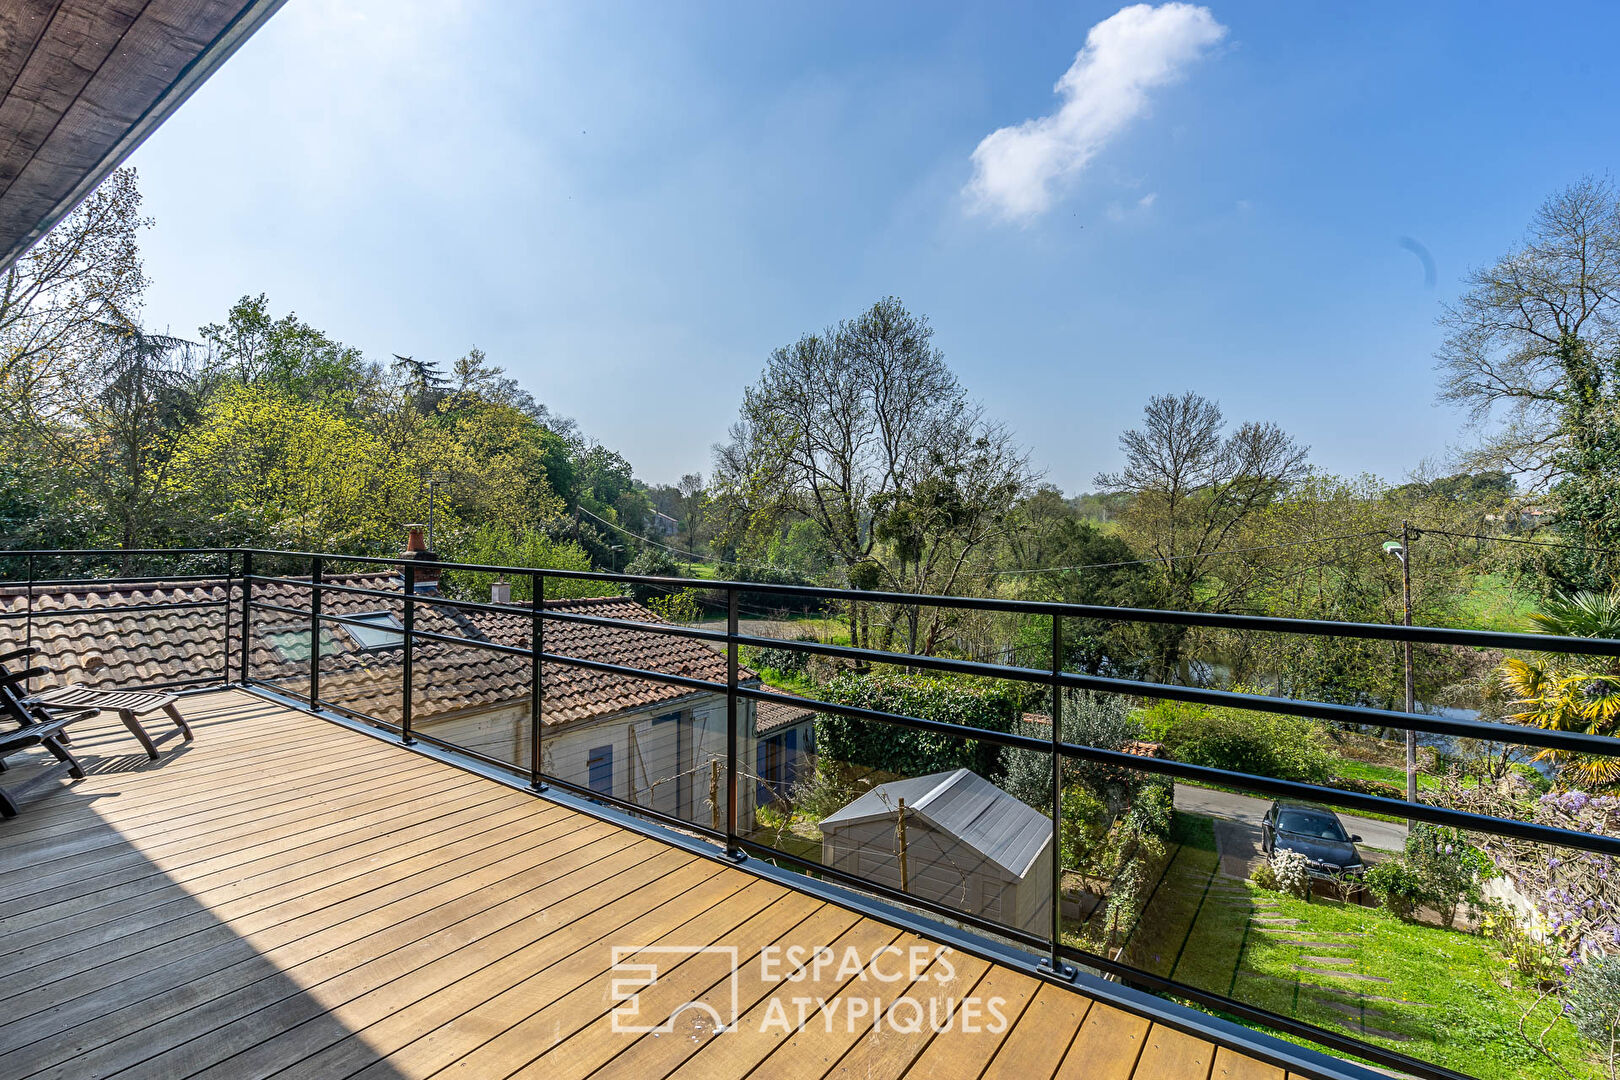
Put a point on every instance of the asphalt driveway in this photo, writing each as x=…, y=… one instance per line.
x=1248, y=810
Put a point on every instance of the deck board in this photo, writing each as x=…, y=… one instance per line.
x=284, y=897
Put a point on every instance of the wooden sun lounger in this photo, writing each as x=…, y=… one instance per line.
x=33, y=730
x=130, y=705
x=82, y=701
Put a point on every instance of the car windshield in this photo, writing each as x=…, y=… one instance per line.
x=1306, y=823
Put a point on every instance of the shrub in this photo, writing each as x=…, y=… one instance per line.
x=1264, y=876
x=1291, y=873
x=1449, y=869
x=678, y=607
x=1084, y=833
x=651, y=562
x=905, y=752
x=1153, y=809
x=1283, y=747
x=1091, y=719
x=1395, y=886
x=787, y=661
x=1592, y=1001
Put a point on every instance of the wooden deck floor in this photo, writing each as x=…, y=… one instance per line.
x=285, y=897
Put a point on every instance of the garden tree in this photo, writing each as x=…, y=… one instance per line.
x=1570, y=693
x=490, y=544
x=1532, y=347
x=473, y=376
x=1194, y=488
x=1056, y=554
x=55, y=300
x=1316, y=552
x=863, y=430
x=495, y=458
x=266, y=467
x=255, y=348
x=113, y=429
x=425, y=381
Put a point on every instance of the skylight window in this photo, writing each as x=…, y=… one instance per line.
x=380, y=630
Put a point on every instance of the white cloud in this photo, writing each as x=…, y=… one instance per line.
x=1147, y=201
x=1137, y=49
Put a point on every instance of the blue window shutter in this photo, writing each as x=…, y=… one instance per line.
x=600, y=762
x=761, y=752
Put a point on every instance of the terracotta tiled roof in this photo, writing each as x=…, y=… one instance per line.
x=1134, y=746
x=771, y=716
x=85, y=638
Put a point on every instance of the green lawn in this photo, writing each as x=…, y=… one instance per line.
x=1451, y=998
x=1494, y=603
x=1389, y=774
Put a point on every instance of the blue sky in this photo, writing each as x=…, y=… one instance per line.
x=630, y=205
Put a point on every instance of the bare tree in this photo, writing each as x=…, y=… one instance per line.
x=54, y=299
x=116, y=432
x=1193, y=488
x=1537, y=332
x=864, y=430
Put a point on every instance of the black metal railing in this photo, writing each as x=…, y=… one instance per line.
x=244, y=573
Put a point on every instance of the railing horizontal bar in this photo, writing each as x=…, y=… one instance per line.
x=1572, y=741
x=1219, y=777
x=915, y=723
x=1377, y=804
x=451, y=639
x=1012, y=933
x=110, y=553
x=110, y=610
x=1431, y=635
x=9, y=584
x=522, y=611
x=1482, y=730
x=633, y=808
x=669, y=629
x=686, y=681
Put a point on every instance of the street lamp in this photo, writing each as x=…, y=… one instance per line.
x=1401, y=549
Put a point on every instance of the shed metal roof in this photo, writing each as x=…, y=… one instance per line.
x=1005, y=830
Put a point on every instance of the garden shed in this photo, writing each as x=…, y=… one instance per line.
x=967, y=844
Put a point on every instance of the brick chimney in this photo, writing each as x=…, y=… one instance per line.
x=416, y=549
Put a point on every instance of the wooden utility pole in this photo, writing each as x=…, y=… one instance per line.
x=900, y=839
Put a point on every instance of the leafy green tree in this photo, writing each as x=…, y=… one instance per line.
x=287, y=354
x=493, y=544
x=270, y=468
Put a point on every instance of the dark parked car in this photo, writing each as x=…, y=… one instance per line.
x=1313, y=832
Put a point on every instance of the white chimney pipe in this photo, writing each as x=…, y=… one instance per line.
x=500, y=591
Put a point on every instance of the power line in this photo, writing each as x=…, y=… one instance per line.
x=1194, y=555
x=1522, y=540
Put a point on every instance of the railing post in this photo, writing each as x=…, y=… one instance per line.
x=28, y=631
x=731, y=725
x=315, y=633
x=225, y=646
x=409, y=573
x=1055, y=961
x=537, y=647
x=247, y=613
